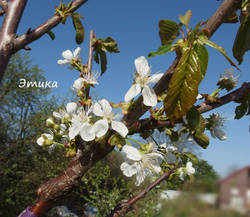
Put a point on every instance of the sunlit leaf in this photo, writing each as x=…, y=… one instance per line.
x=169, y=30
x=202, y=53
x=183, y=86
x=204, y=39
x=80, y=33
x=186, y=18
x=242, y=39
x=164, y=49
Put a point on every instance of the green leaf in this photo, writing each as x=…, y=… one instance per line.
x=103, y=58
x=183, y=86
x=186, y=18
x=242, y=39
x=192, y=157
x=202, y=53
x=51, y=35
x=80, y=33
x=110, y=45
x=201, y=139
x=193, y=118
x=241, y=110
x=169, y=30
x=204, y=39
x=161, y=50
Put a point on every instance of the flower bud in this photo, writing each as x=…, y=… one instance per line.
x=50, y=122
x=78, y=83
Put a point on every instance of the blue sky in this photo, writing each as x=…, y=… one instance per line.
x=134, y=25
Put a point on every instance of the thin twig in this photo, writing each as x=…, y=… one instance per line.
x=121, y=209
x=90, y=58
x=38, y=32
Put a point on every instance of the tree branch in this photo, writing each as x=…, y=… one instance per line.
x=149, y=123
x=121, y=209
x=8, y=31
x=226, y=8
x=38, y=32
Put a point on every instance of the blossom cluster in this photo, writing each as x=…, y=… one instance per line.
x=90, y=120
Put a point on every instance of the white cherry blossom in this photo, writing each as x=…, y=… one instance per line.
x=216, y=123
x=188, y=170
x=142, y=80
x=140, y=164
x=80, y=125
x=103, y=109
x=90, y=78
x=44, y=139
x=69, y=56
x=228, y=81
x=71, y=108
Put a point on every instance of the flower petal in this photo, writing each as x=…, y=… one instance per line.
x=71, y=107
x=67, y=55
x=78, y=83
x=97, y=109
x=57, y=115
x=132, y=153
x=87, y=133
x=128, y=169
x=40, y=141
x=120, y=128
x=106, y=107
x=155, y=77
x=153, y=161
x=73, y=131
x=63, y=62
x=77, y=52
x=142, y=67
x=101, y=127
x=140, y=175
x=220, y=134
x=133, y=91
x=149, y=96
